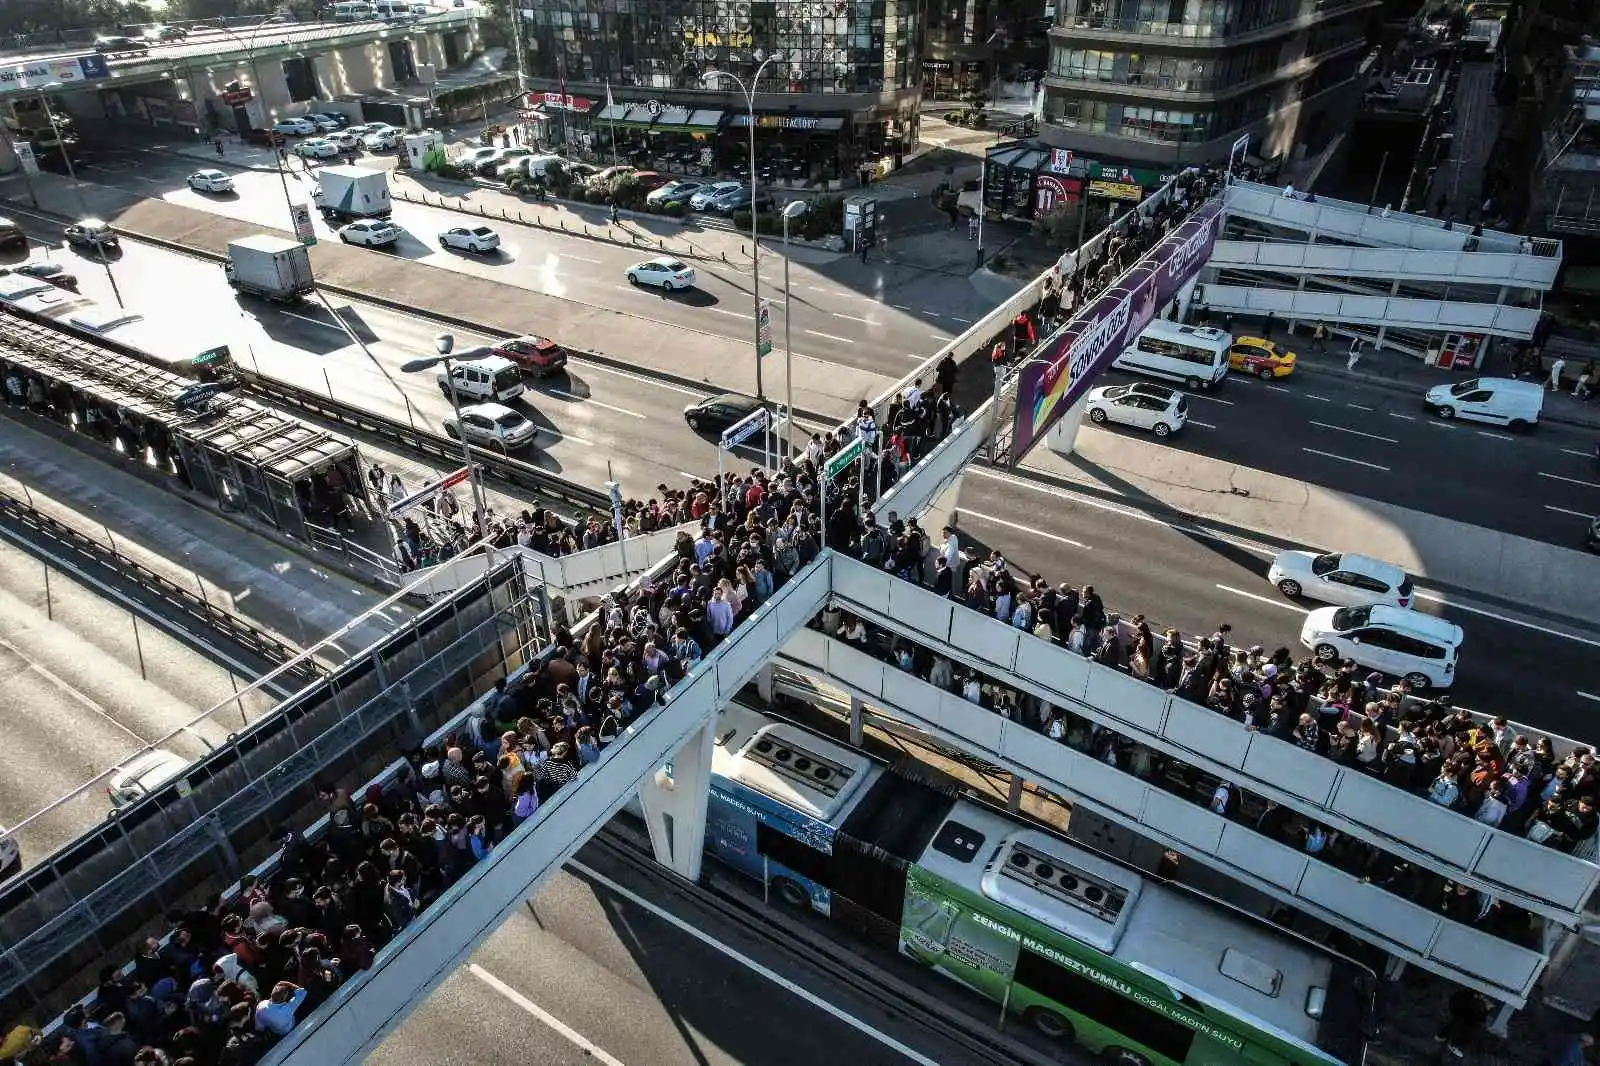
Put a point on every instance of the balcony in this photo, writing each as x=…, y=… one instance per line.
x=1146, y=87
x=1133, y=32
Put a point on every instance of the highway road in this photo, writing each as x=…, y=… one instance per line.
x=1180, y=575
x=877, y=316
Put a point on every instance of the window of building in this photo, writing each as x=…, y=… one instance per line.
x=1084, y=114
x=301, y=77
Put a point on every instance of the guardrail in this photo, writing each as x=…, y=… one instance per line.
x=300, y=671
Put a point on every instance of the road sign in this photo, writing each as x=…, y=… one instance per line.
x=25, y=156
x=764, y=317
x=843, y=458
x=427, y=492
x=743, y=429
x=300, y=214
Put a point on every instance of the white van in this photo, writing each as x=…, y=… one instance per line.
x=1194, y=355
x=528, y=166
x=1497, y=401
x=490, y=378
x=391, y=9
x=354, y=11
x=1408, y=644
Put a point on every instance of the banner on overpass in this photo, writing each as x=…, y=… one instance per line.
x=1065, y=364
x=48, y=73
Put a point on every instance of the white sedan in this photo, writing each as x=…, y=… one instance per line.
x=702, y=197
x=1154, y=407
x=664, y=273
x=344, y=139
x=370, y=233
x=298, y=127
x=317, y=148
x=479, y=239
x=210, y=181
x=387, y=137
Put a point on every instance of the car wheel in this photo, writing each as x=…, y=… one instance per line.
x=1265, y=373
x=1192, y=384
x=791, y=892
x=694, y=421
x=345, y=237
x=1097, y=415
x=451, y=431
x=1049, y=1023
x=666, y=286
x=1161, y=429
x=1518, y=425
x=1447, y=412
x=1326, y=653
x=1418, y=681
x=498, y=446
x=1290, y=588
x=633, y=279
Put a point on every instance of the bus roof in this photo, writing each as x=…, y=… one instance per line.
x=797, y=768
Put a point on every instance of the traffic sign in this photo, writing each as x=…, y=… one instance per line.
x=743, y=429
x=428, y=492
x=764, y=340
x=843, y=458
x=300, y=215
x=25, y=156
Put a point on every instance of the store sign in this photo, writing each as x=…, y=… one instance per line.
x=1060, y=160
x=1068, y=361
x=1051, y=192
x=937, y=66
x=46, y=73
x=1116, y=190
x=558, y=100
x=237, y=98
x=788, y=122
x=653, y=108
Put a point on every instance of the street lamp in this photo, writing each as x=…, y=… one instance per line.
x=709, y=79
x=444, y=344
x=793, y=209
x=249, y=46
x=77, y=185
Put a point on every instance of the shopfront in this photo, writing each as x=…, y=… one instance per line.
x=1023, y=179
x=789, y=147
x=558, y=119
x=659, y=136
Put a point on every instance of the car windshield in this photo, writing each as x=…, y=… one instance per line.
x=1464, y=387
x=1117, y=392
x=510, y=420
x=1325, y=564
x=672, y=265
x=483, y=231
x=1348, y=618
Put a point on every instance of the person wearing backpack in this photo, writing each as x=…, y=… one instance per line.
x=874, y=544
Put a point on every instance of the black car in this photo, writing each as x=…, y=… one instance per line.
x=265, y=138
x=717, y=413
x=739, y=200
x=121, y=46
x=173, y=33
x=54, y=273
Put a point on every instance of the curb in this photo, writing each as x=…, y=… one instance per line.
x=1407, y=389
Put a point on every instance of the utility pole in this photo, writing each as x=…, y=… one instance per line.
x=516, y=43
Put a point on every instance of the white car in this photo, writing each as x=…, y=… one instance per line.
x=210, y=181
x=327, y=121
x=370, y=233
x=701, y=200
x=472, y=159
x=1418, y=647
x=142, y=775
x=1345, y=578
x=478, y=239
x=662, y=272
x=1154, y=407
x=316, y=148
x=345, y=139
x=674, y=190
x=387, y=137
x=297, y=127
x=492, y=425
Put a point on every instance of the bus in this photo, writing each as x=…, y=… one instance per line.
x=1195, y=355
x=1139, y=971
x=181, y=348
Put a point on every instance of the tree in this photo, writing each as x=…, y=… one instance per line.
x=55, y=16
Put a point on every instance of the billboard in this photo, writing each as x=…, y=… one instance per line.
x=47, y=73
x=1066, y=362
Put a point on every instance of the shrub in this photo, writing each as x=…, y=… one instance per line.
x=597, y=196
x=771, y=224
x=626, y=192
x=824, y=216
x=980, y=119
x=741, y=220
x=674, y=209
x=517, y=184
x=953, y=117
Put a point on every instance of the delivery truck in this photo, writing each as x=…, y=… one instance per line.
x=346, y=194
x=276, y=268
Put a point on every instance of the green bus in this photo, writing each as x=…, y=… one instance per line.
x=1079, y=947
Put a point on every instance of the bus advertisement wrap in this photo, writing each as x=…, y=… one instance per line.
x=1064, y=365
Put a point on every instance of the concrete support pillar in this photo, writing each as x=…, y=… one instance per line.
x=1014, y=798
x=1063, y=436
x=1185, y=298
x=674, y=801
x=857, y=730
x=1393, y=968
x=1502, y=1018
x=764, y=683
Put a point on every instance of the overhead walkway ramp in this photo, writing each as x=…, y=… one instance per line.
x=1441, y=267
x=1434, y=316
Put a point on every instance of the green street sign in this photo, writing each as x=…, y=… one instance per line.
x=764, y=332
x=843, y=458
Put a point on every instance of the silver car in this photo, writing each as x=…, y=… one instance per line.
x=492, y=425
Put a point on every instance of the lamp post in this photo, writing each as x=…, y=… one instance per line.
x=793, y=209
x=983, y=174
x=77, y=186
x=710, y=79
x=249, y=46
x=444, y=344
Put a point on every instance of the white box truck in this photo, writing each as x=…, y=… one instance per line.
x=276, y=268
x=345, y=194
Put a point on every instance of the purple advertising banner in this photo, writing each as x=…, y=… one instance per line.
x=1068, y=361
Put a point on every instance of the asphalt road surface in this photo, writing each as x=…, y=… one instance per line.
x=1179, y=576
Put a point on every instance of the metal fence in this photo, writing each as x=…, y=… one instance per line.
x=91, y=901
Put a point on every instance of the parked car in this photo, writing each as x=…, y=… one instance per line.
x=381, y=139
x=90, y=233
x=345, y=140
x=650, y=180
x=740, y=200
x=701, y=200
x=1344, y=578
x=506, y=157
x=334, y=119
x=662, y=272
x=1517, y=405
x=472, y=157
x=716, y=413
x=54, y=273
x=317, y=148
x=210, y=181
x=674, y=192
x=1161, y=410
x=537, y=356
x=602, y=179
x=492, y=425
x=142, y=775
x=480, y=240
x=1260, y=358
x=370, y=233
x=264, y=138
x=12, y=235
x=295, y=127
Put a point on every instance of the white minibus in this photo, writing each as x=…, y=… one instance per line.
x=1197, y=356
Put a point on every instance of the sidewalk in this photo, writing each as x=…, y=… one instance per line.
x=1450, y=555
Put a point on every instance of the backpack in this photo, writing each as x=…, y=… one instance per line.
x=875, y=546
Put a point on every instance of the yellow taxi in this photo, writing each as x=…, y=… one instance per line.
x=1260, y=357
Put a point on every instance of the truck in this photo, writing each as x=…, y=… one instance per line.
x=346, y=194
x=276, y=268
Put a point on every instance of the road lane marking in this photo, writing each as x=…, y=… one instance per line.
x=918, y=358
x=1202, y=425
x=958, y=318
x=580, y=258
x=1276, y=388
x=561, y=436
x=1314, y=396
x=314, y=321
x=561, y=1028
x=735, y=314
x=1358, y=407
x=748, y=963
x=565, y=395
x=1494, y=436
x=1025, y=529
x=1574, y=451
x=1355, y=432
x=1268, y=600
x=1403, y=418
x=853, y=318
x=1563, y=510
x=830, y=336
x=1589, y=695
x=1546, y=630
x=1346, y=459
x=1571, y=480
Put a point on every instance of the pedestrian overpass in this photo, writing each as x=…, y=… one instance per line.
x=665, y=758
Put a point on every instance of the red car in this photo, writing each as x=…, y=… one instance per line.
x=649, y=180
x=539, y=356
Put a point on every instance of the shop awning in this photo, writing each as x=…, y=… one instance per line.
x=792, y=123
x=664, y=120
